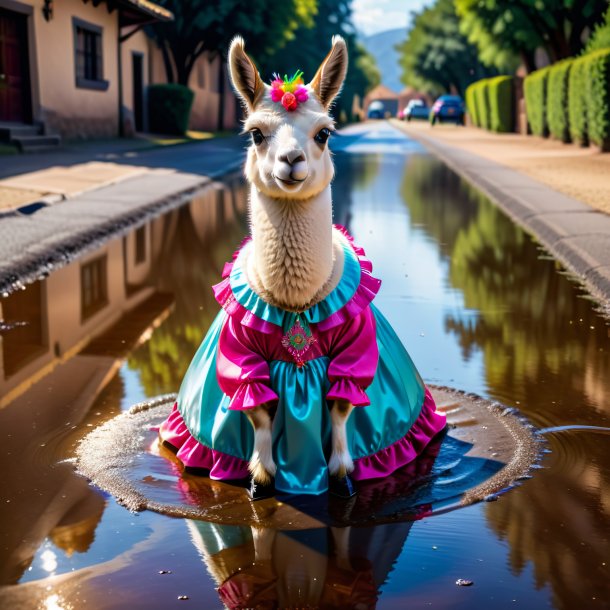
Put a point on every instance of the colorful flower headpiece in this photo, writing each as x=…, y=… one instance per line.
x=290, y=91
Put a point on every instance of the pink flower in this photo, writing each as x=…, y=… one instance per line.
x=301, y=94
x=276, y=94
x=289, y=101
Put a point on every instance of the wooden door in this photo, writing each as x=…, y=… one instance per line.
x=14, y=79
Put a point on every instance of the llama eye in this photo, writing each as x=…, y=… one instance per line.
x=257, y=136
x=322, y=136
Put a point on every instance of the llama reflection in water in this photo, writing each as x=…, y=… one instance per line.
x=322, y=568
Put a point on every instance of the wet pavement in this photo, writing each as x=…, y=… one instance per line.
x=479, y=305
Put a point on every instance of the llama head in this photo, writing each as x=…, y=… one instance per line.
x=289, y=156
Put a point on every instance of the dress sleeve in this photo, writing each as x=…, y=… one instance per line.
x=353, y=359
x=241, y=370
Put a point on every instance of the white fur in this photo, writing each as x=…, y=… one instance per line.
x=261, y=463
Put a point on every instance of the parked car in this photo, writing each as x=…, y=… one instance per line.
x=376, y=110
x=416, y=109
x=448, y=108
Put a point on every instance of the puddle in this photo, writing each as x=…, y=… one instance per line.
x=486, y=450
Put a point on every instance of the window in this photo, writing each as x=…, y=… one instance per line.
x=140, y=245
x=93, y=287
x=23, y=335
x=88, y=62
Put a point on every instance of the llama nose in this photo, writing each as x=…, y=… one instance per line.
x=292, y=157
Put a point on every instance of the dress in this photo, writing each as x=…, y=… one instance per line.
x=340, y=348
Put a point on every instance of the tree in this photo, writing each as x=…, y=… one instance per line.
x=209, y=25
x=506, y=32
x=310, y=45
x=436, y=57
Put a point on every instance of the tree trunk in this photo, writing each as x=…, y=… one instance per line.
x=528, y=60
x=167, y=62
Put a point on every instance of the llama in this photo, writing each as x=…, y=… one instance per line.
x=298, y=340
x=295, y=263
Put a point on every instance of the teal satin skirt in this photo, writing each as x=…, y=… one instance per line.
x=301, y=426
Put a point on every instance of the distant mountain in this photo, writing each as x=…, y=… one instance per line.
x=381, y=47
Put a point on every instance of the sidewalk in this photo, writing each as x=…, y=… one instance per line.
x=557, y=192
x=576, y=172
x=81, y=166
x=98, y=198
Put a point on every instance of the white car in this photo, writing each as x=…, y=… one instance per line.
x=416, y=109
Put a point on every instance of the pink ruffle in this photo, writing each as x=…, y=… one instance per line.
x=195, y=455
x=225, y=297
x=386, y=461
x=346, y=389
x=250, y=395
x=364, y=295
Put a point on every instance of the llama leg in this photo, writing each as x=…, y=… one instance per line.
x=341, y=538
x=261, y=464
x=340, y=463
x=263, y=539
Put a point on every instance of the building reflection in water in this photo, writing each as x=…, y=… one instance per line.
x=545, y=350
x=62, y=341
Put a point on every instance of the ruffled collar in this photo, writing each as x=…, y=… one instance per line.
x=355, y=290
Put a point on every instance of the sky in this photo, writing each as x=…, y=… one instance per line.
x=372, y=16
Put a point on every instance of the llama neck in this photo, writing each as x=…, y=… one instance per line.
x=293, y=256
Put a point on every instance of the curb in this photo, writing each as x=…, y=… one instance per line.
x=584, y=252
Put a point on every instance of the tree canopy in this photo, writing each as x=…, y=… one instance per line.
x=209, y=25
x=310, y=45
x=436, y=57
x=508, y=32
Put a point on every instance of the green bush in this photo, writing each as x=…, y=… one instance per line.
x=598, y=98
x=481, y=97
x=535, y=101
x=169, y=108
x=471, y=105
x=558, y=100
x=501, y=104
x=577, y=101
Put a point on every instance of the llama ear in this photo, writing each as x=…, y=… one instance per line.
x=330, y=75
x=244, y=75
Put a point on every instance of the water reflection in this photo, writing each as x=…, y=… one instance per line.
x=318, y=568
x=546, y=350
x=200, y=238
x=63, y=341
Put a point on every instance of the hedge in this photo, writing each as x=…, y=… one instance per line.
x=471, y=105
x=501, y=101
x=558, y=100
x=481, y=98
x=169, y=108
x=598, y=97
x=577, y=102
x=535, y=101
